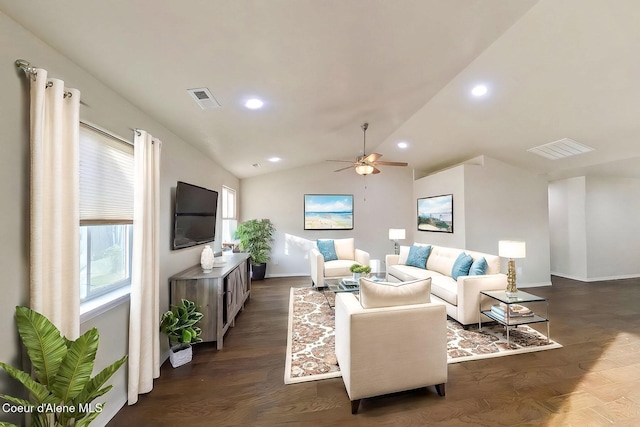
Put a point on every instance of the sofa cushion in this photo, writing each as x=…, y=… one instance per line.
x=327, y=249
x=442, y=259
x=418, y=256
x=384, y=294
x=338, y=268
x=345, y=248
x=445, y=288
x=493, y=261
x=479, y=267
x=407, y=273
x=461, y=266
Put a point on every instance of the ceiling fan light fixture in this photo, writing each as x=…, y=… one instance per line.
x=364, y=169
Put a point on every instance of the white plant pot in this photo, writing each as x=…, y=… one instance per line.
x=180, y=355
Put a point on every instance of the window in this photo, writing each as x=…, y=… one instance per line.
x=229, y=218
x=105, y=259
x=106, y=212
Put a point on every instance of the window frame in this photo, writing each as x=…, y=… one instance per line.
x=117, y=292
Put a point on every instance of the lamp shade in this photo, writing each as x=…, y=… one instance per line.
x=396, y=234
x=511, y=249
x=364, y=169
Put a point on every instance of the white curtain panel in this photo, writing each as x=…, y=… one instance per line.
x=144, y=322
x=54, y=236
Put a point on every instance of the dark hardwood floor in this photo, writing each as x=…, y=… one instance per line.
x=593, y=380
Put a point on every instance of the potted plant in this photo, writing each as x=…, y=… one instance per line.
x=255, y=237
x=62, y=391
x=179, y=325
x=360, y=270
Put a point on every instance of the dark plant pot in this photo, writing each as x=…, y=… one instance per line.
x=258, y=271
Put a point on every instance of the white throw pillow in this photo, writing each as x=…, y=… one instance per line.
x=404, y=254
x=345, y=248
x=384, y=294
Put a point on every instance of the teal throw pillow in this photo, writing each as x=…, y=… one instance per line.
x=479, y=267
x=327, y=249
x=461, y=266
x=418, y=256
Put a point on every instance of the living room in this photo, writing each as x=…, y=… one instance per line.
x=496, y=194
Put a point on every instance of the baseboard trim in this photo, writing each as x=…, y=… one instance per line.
x=534, y=285
x=596, y=279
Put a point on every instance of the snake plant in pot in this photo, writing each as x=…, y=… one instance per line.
x=179, y=325
x=61, y=391
x=255, y=237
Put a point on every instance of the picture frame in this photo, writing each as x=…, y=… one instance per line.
x=435, y=214
x=328, y=211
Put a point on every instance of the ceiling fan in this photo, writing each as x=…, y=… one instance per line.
x=366, y=164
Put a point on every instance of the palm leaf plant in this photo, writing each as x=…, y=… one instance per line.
x=255, y=237
x=62, y=392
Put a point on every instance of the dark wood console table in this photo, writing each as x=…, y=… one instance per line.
x=220, y=294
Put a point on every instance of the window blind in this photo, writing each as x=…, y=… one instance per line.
x=106, y=179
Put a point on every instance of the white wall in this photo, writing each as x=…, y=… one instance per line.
x=103, y=107
x=504, y=202
x=381, y=202
x=567, y=226
x=613, y=227
x=594, y=227
x=448, y=181
x=494, y=201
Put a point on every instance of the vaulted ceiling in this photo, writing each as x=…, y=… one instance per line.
x=553, y=69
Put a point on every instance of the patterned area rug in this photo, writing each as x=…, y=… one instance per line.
x=310, y=340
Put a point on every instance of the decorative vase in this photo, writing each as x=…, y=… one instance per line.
x=206, y=258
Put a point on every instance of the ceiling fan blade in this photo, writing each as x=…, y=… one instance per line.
x=390, y=163
x=343, y=161
x=375, y=171
x=372, y=157
x=345, y=168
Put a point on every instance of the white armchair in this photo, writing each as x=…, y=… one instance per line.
x=346, y=254
x=389, y=349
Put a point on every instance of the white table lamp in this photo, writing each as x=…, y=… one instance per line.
x=511, y=249
x=396, y=234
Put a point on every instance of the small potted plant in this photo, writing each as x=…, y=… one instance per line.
x=360, y=270
x=179, y=325
x=255, y=237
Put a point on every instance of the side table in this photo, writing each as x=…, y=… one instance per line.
x=508, y=321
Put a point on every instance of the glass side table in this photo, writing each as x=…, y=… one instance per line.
x=513, y=321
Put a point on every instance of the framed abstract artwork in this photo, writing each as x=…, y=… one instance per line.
x=436, y=214
x=328, y=211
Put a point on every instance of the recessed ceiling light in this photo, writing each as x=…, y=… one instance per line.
x=274, y=159
x=402, y=144
x=479, y=90
x=254, y=103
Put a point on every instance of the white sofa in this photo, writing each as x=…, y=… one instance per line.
x=462, y=296
x=388, y=349
x=347, y=255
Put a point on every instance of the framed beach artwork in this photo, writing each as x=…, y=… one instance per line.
x=328, y=212
x=436, y=214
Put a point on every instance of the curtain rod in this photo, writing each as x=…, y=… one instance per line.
x=104, y=132
x=25, y=66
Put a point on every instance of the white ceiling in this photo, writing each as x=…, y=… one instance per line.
x=555, y=69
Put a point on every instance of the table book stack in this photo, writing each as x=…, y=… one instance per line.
x=507, y=311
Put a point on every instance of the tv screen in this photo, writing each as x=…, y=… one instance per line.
x=194, y=220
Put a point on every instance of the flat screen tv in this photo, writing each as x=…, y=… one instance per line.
x=194, y=220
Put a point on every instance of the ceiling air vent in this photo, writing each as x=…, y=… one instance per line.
x=561, y=148
x=203, y=97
